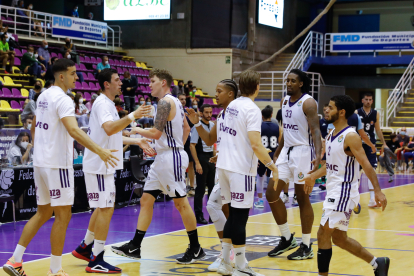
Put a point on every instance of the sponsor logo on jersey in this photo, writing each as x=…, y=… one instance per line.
x=228, y=130
x=289, y=126
x=372, y=122
x=168, y=188
x=285, y=102
x=332, y=200
x=301, y=175
x=300, y=103
x=331, y=167
x=55, y=194
x=340, y=138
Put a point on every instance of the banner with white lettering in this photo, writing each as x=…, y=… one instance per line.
x=93, y=2
x=8, y=136
x=76, y=28
x=369, y=42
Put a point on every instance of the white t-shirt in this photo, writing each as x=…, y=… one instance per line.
x=53, y=146
x=103, y=111
x=236, y=153
x=15, y=151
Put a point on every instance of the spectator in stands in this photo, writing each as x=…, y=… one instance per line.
x=5, y=53
x=30, y=65
x=20, y=151
x=15, y=3
x=49, y=84
x=36, y=25
x=75, y=11
x=27, y=123
x=118, y=104
x=69, y=51
x=80, y=108
x=3, y=30
x=90, y=16
x=30, y=108
x=388, y=155
x=37, y=89
x=102, y=65
x=22, y=16
x=44, y=55
x=147, y=121
x=90, y=103
x=49, y=72
x=403, y=139
x=178, y=89
x=194, y=104
x=408, y=153
x=129, y=86
x=188, y=87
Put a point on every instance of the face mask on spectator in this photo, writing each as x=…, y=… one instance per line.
x=194, y=90
x=76, y=9
x=30, y=7
x=46, y=46
x=195, y=106
x=148, y=103
x=80, y=100
x=67, y=42
x=402, y=133
x=68, y=56
x=37, y=87
x=141, y=102
x=36, y=55
x=24, y=144
x=7, y=39
x=31, y=54
x=106, y=62
x=29, y=126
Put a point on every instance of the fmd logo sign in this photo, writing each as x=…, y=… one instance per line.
x=346, y=38
x=62, y=21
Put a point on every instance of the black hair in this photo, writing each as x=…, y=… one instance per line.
x=392, y=136
x=181, y=94
x=106, y=75
x=303, y=77
x=62, y=65
x=190, y=81
x=267, y=112
x=19, y=140
x=326, y=105
x=344, y=102
x=49, y=83
x=52, y=60
x=204, y=106
x=2, y=36
x=367, y=94
x=180, y=81
x=232, y=85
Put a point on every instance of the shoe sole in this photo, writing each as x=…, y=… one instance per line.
x=225, y=273
x=193, y=261
x=357, y=210
x=79, y=256
x=310, y=256
x=259, y=206
x=387, y=265
x=10, y=270
x=292, y=246
x=120, y=253
x=90, y=270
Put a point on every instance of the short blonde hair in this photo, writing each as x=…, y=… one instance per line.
x=162, y=74
x=248, y=82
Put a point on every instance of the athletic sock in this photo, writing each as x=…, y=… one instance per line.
x=89, y=237
x=193, y=237
x=18, y=253
x=372, y=195
x=98, y=247
x=240, y=257
x=259, y=185
x=55, y=263
x=287, y=194
x=284, y=231
x=374, y=263
x=139, y=236
x=306, y=239
x=225, y=249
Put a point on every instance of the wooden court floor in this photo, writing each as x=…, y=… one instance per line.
x=389, y=233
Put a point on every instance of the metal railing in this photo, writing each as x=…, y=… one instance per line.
x=397, y=95
x=39, y=24
x=381, y=116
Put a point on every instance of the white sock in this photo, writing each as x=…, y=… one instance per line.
x=259, y=185
x=18, y=253
x=89, y=237
x=372, y=195
x=240, y=257
x=225, y=249
x=98, y=247
x=374, y=263
x=55, y=263
x=306, y=239
x=370, y=186
x=284, y=231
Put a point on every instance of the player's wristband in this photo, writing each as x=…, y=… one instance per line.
x=269, y=164
x=131, y=117
x=198, y=124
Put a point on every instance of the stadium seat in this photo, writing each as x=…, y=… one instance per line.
x=93, y=60
x=87, y=96
x=60, y=56
x=111, y=62
x=175, y=82
x=87, y=60
x=17, y=61
x=99, y=60
x=24, y=93
x=16, y=93
x=7, y=93
x=136, y=99
x=16, y=105
x=81, y=59
x=122, y=63
x=22, y=104
x=138, y=64
x=42, y=81
x=93, y=87
x=144, y=66
x=116, y=63
x=85, y=77
x=18, y=53
x=16, y=69
x=85, y=86
x=5, y=106
x=91, y=77
x=52, y=55
x=78, y=86
x=121, y=97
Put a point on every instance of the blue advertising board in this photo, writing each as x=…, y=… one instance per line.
x=82, y=29
x=373, y=41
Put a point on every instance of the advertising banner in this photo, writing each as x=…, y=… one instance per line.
x=368, y=42
x=137, y=9
x=8, y=136
x=82, y=29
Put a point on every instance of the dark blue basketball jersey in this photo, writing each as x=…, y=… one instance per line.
x=368, y=122
x=353, y=122
x=270, y=135
x=324, y=127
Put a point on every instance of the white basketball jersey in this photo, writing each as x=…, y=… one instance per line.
x=342, y=172
x=172, y=135
x=296, y=130
x=220, y=119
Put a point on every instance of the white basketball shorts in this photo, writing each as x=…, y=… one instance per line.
x=100, y=190
x=167, y=173
x=338, y=220
x=54, y=186
x=236, y=188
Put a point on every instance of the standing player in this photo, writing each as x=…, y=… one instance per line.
x=226, y=91
x=344, y=153
x=370, y=120
x=105, y=128
x=240, y=148
x=55, y=127
x=300, y=125
x=270, y=138
x=167, y=173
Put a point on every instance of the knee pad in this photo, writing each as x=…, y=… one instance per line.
x=324, y=258
x=217, y=216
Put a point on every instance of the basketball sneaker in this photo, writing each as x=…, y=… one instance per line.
x=357, y=209
x=215, y=265
x=383, y=266
x=83, y=251
x=191, y=255
x=191, y=192
x=59, y=273
x=14, y=269
x=372, y=204
x=304, y=252
x=283, y=246
x=225, y=268
x=294, y=200
x=259, y=204
x=128, y=250
x=245, y=271
x=98, y=265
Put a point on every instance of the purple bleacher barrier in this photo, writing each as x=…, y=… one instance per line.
x=7, y=93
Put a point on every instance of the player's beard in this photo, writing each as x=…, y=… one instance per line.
x=334, y=118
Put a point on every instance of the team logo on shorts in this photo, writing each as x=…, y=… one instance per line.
x=300, y=103
x=168, y=188
x=348, y=214
x=55, y=194
x=340, y=138
x=301, y=175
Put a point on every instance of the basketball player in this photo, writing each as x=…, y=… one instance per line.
x=226, y=91
x=167, y=173
x=294, y=160
x=370, y=120
x=344, y=153
x=55, y=127
x=105, y=128
x=240, y=148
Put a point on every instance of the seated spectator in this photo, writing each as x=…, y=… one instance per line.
x=188, y=87
x=30, y=65
x=178, y=89
x=44, y=55
x=69, y=51
x=49, y=72
x=5, y=54
x=403, y=139
x=36, y=25
x=14, y=3
x=75, y=12
x=118, y=105
x=30, y=108
x=3, y=29
x=90, y=16
x=408, y=153
x=102, y=65
x=49, y=84
x=80, y=108
x=388, y=155
x=90, y=103
x=37, y=89
x=20, y=150
x=194, y=104
x=148, y=121
x=27, y=123
x=128, y=88
x=22, y=16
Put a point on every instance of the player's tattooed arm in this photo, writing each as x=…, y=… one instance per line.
x=163, y=111
x=310, y=108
